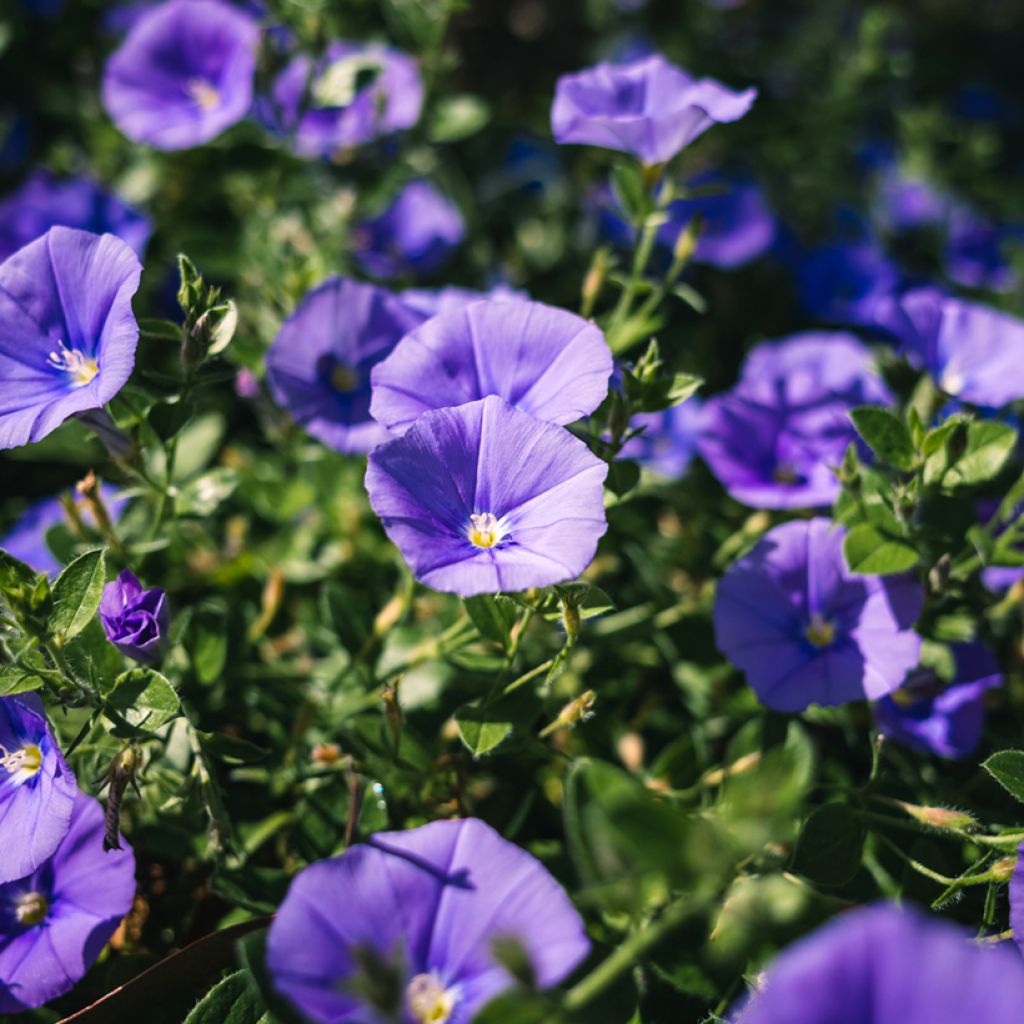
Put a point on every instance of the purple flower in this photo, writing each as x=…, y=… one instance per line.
x=842, y=282
x=429, y=302
x=415, y=234
x=974, y=353
x=319, y=366
x=43, y=202
x=26, y=540
x=183, y=74
x=775, y=439
x=669, y=439
x=926, y=714
x=55, y=921
x=905, y=202
x=135, y=619
x=649, y=108
x=426, y=913
x=975, y=255
x=484, y=497
x=37, y=788
x=545, y=361
x=806, y=630
x=356, y=93
x=881, y=964
x=67, y=331
x=999, y=578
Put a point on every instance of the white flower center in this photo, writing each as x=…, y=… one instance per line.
x=485, y=529
x=80, y=368
x=21, y=764
x=429, y=1001
x=205, y=95
x=820, y=632
x=31, y=908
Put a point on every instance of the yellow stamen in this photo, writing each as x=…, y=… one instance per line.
x=820, y=632
x=344, y=379
x=80, y=368
x=31, y=908
x=484, y=530
x=205, y=95
x=429, y=1001
x=22, y=763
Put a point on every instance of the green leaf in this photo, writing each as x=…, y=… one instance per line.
x=830, y=845
x=989, y=445
x=458, y=117
x=17, y=680
x=232, y=749
x=144, y=698
x=235, y=1000
x=693, y=298
x=208, y=641
x=14, y=574
x=484, y=728
x=252, y=952
x=77, y=593
x=494, y=616
x=623, y=476
x=869, y=551
x=630, y=191
x=885, y=434
x=520, y=1006
x=1007, y=768
x=204, y=494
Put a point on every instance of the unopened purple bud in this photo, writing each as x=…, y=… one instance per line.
x=135, y=619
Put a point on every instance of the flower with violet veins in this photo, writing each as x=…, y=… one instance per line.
x=415, y=234
x=774, y=440
x=319, y=365
x=928, y=715
x=974, y=353
x=805, y=630
x=184, y=73
x=357, y=92
x=56, y=919
x=67, y=330
x=135, y=619
x=44, y=201
x=882, y=964
x=484, y=497
x=546, y=361
x=411, y=926
x=37, y=788
x=649, y=108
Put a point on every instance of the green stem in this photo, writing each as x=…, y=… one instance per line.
x=527, y=676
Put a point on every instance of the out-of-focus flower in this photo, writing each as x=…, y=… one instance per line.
x=905, y=202
x=927, y=714
x=37, y=788
x=484, y=497
x=975, y=354
x=247, y=384
x=43, y=202
x=55, y=920
x=649, y=108
x=669, y=439
x=842, y=282
x=885, y=965
x=415, y=234
x=976, y=255
x=319, y=366
x=135, y=619
x=775, y=439
x=26, y=540
x=805, y=630
x=67, y=330
x=421, y=926
x=183, y=74
x=355, y=94
x=430, y=302
x=548, y=362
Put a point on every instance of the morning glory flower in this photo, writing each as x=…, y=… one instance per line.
x=668, y=441
x=356, y=93
x=410, y=926
x=974, y=353
x=415, y=234
x=805, y=630
x=135, y=619
x=648, y=108
x=976, y=253
x=319, y=365
x=927, y=714
x=26, y=540
x=183, y=74
x=67, y=330
x=43, y=202
x=775, y=439
x=429, y=302
x=843, y=281
x=548, y=362
x=56, y=919
x=881, y=964
x=37, y=788
x=484, y=497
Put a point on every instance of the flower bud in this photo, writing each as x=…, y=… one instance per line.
x=135, y=619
